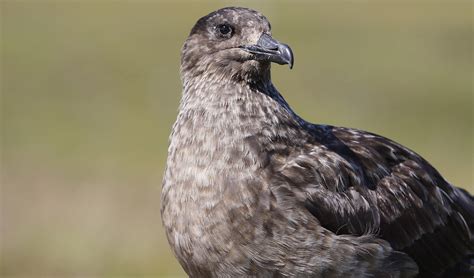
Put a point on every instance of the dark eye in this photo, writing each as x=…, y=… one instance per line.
x=224, y=30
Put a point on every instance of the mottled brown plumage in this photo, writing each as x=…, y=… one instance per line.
x=251, y=189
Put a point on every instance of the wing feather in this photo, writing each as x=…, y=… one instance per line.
x=355, y=182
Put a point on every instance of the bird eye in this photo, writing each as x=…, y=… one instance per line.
x=225, y=30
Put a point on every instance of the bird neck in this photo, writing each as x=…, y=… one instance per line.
x=217, y=105
x=216, y=118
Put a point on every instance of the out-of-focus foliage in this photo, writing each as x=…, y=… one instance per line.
x=90, y=90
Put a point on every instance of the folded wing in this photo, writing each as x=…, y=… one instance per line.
x=355, y=182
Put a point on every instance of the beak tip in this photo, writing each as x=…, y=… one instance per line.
x=287, y=55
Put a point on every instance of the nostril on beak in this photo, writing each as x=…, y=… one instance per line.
x=267, y=42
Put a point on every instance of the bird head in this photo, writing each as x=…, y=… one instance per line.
x=235, y=42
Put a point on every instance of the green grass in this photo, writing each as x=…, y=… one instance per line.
x=90, y=91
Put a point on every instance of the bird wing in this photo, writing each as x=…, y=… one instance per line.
x=355, y=182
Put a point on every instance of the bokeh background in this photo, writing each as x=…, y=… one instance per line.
x=90, y=90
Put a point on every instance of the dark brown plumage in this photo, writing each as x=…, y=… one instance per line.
x=251, y=189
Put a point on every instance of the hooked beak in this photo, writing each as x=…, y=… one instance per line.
x=268, y=49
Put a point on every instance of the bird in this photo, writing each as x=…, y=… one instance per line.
x=251, y=189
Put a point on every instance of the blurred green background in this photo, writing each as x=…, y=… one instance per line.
x=90, y=90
